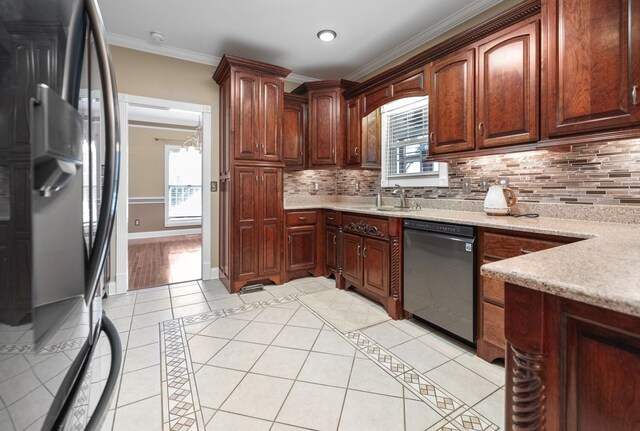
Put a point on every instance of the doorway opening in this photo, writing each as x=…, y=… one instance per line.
x=163, y=229
x=165, y=205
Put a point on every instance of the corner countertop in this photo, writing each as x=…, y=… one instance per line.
x=603, y=270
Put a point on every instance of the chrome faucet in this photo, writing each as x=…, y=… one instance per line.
x=403, y=199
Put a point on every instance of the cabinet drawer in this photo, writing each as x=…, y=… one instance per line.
x=369, y=226
x=332, y=218
x=501, y=246
x=300, y=218
x=493, y=324
x=493, y=290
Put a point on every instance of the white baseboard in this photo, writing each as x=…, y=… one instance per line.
x=215, y=273
x=163, y=233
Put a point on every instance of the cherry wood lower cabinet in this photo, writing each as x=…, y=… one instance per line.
x=370, y=259
x=302, y=244
x=570, y=366
x=497, y=245
x=333, y=244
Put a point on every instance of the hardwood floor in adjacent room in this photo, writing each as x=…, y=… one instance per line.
x=161, y=261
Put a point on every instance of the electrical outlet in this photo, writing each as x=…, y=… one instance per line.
x=137, y=222
x=316, y=186
x=485, y=183
x=503, y=181
x=466, y=185
x=214, y=186
x=357, y=186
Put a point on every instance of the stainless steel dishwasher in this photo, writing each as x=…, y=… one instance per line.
x=439, y=275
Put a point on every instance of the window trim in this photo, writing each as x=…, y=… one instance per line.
x=168, y=222
x=439, y=178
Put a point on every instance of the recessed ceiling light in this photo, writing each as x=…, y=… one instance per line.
x=326, y=35
x=157, y=36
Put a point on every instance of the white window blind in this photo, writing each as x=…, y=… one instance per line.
x=405, y=131
x=406, y=128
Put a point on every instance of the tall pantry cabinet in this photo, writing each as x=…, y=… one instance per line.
x=251, y=212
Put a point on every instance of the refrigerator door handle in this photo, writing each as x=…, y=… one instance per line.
x=112, y=151
x=110, y=330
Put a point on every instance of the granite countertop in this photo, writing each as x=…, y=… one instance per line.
x=602, y=270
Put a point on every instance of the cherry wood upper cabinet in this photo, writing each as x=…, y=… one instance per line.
x=270, y=114
x=251, y=111
x=508, y=76
x=246, y=120
x=294, y=131
x=371, y=142
x=354, y=155
x=327, y=121
x=451, y=119
x=592, y=65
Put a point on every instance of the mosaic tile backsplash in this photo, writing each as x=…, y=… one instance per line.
x=603, y=174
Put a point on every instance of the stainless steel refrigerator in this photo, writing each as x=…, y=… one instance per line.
x=59, y=163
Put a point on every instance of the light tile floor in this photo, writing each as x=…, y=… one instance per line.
x=198, y=358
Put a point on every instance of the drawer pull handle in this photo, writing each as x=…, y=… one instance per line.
x=524, y=251
x=364, y=252
x=634, y=95
x=481, y=128
x=334, y=240
x=355, y=150
x=358, y=251
x=289, y=237
x=432, y=137
x=301, y=218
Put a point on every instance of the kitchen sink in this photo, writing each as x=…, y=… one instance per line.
x=390, y=208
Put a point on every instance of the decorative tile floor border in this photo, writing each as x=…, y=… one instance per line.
x=181, y=409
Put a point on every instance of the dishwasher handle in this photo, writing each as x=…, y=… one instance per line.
x=443, y=236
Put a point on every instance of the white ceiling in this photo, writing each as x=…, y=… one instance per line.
x=371, y=33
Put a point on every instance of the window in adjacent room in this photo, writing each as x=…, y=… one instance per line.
x=183, y=186
x=405, y=145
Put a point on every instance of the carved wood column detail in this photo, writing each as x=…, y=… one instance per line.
x=528, y=390
x=395, y=268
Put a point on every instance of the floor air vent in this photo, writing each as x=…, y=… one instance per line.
x=251, y=289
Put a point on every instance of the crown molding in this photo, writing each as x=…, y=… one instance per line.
x=182, y=54
x=420, y=39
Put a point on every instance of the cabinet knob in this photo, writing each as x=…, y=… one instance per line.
x=634, y=95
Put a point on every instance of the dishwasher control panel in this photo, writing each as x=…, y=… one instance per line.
x=451, y=229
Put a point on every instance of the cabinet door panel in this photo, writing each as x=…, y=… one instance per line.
x=270, y=252
x=352, y=245
x=270, y=220
x=246, y=121
x=270, y=118
x=293, y=134
x=301, y=248
x=508, y=89
x=451, y=119
x=376, y=266
x=590, y=80
x=371, y=140
x=323, y=124
x=246, y=209
x=354, y=156
x=331, y=242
